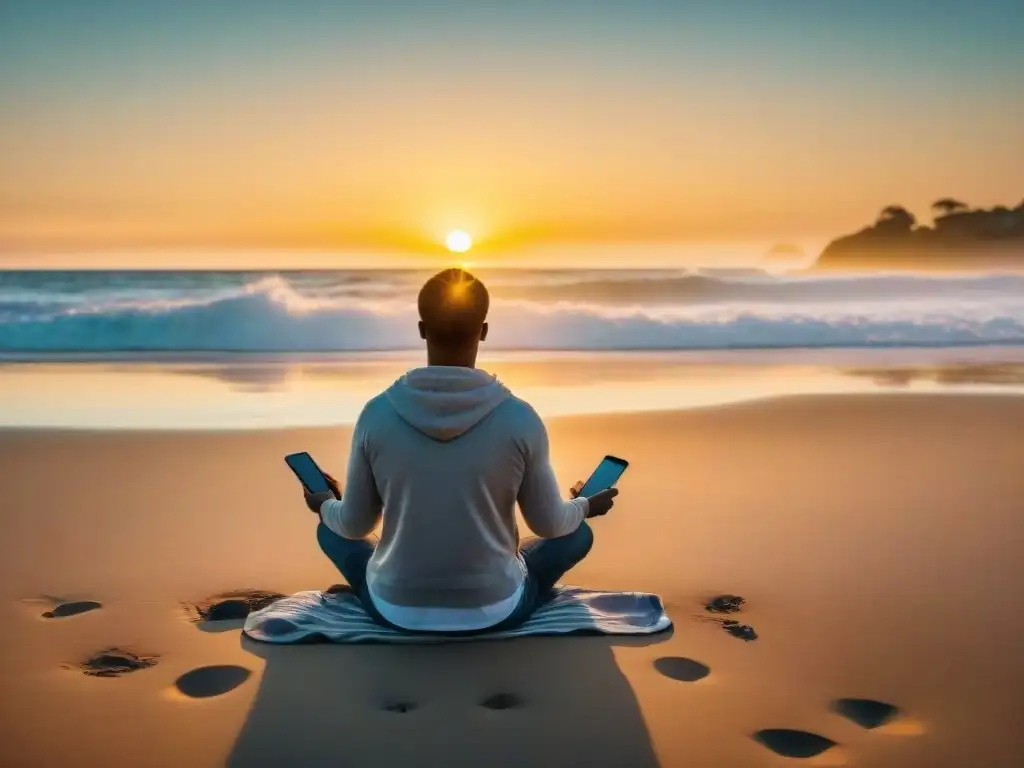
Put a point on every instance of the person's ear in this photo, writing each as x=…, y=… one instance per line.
x=483, y=332
x=423, y=331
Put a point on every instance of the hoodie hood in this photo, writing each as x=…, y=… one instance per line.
x=445, y=402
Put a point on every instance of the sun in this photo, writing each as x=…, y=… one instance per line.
x=458, y=241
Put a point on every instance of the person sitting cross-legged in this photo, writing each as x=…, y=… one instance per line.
x=442, y=457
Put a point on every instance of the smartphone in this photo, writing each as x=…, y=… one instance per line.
x=309, y=474
x=605, y=476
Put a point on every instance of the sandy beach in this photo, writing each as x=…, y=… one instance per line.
x=876, y=538
x=771, y=254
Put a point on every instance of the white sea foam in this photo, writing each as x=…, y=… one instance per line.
x=348, y=311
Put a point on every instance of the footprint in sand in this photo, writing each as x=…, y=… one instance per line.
x=744, y=632
x=681, y=668
x=866, y=713
x=724, y=604
x=114, y=662
x=792, y=743
x=64, y=610
x=231, y=606
x=729, y=604
x=216, y=680
x=877, y=716
x=501, y=701
x=399, y=707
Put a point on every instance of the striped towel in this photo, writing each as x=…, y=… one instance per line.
x=337, y=617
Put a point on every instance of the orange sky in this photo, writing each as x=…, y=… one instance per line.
x=259, y=140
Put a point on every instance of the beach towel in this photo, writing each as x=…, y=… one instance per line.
x=338, y=617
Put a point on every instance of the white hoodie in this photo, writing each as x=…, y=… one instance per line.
x=444, y=454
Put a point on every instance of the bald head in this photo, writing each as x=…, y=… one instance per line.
x=453, y=311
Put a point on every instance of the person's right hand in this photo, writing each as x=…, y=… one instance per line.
x=333, y=485
x=601, y=502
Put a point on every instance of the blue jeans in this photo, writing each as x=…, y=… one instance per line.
x=546, y=562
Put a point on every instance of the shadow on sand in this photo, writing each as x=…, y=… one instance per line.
x=528, y=701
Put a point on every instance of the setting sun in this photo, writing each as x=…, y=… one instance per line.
x=458, y=241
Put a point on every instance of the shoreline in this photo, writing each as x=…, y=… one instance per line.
x=254, y=394
x=699, y=353
x=769, y=401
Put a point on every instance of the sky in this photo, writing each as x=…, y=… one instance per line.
x=333, y=133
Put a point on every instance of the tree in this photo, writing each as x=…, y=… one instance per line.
x=896, y=217
x=948, y=205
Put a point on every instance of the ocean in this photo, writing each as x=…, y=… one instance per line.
x=100, y=313
x=230, y=350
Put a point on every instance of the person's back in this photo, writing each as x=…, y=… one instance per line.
x=443, y=456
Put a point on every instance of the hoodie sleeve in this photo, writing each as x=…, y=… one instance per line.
x=545, y=511
x=358, y=511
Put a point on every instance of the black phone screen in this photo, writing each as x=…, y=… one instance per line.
x=308, y=472
x=605, y=476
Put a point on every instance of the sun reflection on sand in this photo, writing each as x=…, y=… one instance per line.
x=282, y=393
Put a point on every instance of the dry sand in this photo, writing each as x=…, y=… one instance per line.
x=877, y=540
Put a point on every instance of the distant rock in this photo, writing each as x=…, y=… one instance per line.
x=960, y=238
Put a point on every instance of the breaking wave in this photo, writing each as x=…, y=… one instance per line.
x=323, y=312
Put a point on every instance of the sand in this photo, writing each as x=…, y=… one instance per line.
x=877, y=540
